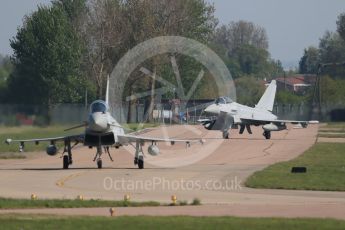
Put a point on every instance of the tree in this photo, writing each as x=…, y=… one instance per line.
x=191, y=18
x=104, y=36
x=249, y=90
x=276, y=68
x=252, y=60
x=332, y=50
x=309, y=61
x=287, y=97
x=341, y=25
x=332, y=90
x=47, y=58
x=6, y=69
x=75, y=10
x=244, y=48
x=114, y=27
x=236, y=34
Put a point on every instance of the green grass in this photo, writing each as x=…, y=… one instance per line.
x=5, y=156
x=332, y=135
x=325, y=164
x=7, y=203
x=338, y=125
x=332, y=130
x=171, y=222
x=136, y=126
x=30, y=132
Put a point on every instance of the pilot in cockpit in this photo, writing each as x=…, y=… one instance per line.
x=98, y=107
x=223, y=100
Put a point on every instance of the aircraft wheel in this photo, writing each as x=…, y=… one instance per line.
x=135, y=160
x=141, y=162
x=267, y=134
x=99, y=163
x=226, y=135
x=65, y=162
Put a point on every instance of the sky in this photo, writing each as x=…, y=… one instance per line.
x=11, y=16
x=291, y=25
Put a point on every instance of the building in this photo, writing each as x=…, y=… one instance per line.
x=298, y=84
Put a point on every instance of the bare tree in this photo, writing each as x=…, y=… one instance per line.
x=115, y=26
x=236, y=34
x=104, y=34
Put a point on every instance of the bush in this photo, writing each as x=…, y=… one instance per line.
x=182, y=202
x=196, y=201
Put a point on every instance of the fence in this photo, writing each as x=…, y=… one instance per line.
x=67, y=114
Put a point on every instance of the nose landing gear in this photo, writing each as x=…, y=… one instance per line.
x=99, y=163
x=98, y=155
x=267, y=134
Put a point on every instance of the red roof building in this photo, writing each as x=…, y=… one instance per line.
x=297, y=84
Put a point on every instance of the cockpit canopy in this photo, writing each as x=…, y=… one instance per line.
x=223, y=100
x=98, y=106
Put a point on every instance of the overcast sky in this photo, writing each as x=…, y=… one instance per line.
x=291, y=25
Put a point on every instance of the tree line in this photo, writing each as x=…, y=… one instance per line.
x=70, y=46
x=331, y=49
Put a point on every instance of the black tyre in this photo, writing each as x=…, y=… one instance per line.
x=65, y=162
x=267, y=134
x=141, y=162
x=99, y=163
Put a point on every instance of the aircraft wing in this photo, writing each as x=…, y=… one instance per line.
x=127, y=138
x=262, y=121
x=295, y=122
x=79, y=138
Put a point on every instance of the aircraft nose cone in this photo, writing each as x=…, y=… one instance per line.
x=214, y=109
x=98, y=122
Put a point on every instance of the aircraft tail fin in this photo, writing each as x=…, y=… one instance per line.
x=267, y=100
x=107, y=92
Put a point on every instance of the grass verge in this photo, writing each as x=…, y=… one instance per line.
x=170, y=222
x=30, y=132
x=5, y=156
x=137, y=126
x=8, y=203
x=332, y=130
x=332, y=125
x=325, y=164
x=332, y=135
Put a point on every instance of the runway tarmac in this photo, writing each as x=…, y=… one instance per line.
x=216, y=178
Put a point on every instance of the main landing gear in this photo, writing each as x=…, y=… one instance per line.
x=67, y=158
x=65, y=162
x=267, y=134
x=139, y=155
x=226, y=134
